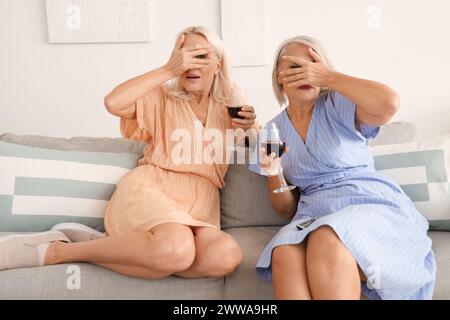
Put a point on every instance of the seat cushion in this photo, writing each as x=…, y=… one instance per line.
x=53, y=282
x=50, y=282
x=98, y=283
x=245, y=283
x=441, y=248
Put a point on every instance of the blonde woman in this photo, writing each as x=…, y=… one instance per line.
x=164, y=217
x=352, y=229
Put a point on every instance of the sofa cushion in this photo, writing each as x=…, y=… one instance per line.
x=245, y=283
x=60, y=282
x=422, y=169
x=395, y=133
x=50, y=283
x=98, y=283
x=100, y=144
x=441, y=249
x=40, y=187
x=244, y=200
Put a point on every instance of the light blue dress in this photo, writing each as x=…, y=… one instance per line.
x=369, y=212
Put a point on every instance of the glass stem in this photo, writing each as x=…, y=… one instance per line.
x=280, y=174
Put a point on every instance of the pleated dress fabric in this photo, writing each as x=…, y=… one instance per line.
x=163, y=188
x=369, y=212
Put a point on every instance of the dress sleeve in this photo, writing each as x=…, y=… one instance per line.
x=343, y=110
x=142, y=127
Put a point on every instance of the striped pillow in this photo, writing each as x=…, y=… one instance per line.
x=41, y=187
x=422, y=169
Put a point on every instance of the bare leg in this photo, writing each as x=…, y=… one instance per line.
x=332, y=271
x=289, y=273
x=167, y=249
x=217, y=254
x=134, y=271
x=211, y=247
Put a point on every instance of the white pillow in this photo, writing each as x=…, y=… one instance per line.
x=422, y=169
x=41, y=187
x=395, y=133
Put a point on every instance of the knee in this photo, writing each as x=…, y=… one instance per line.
x=229, y=257
x=175, y=255
x=280, y=256
x=326, y=257
x=323, y=244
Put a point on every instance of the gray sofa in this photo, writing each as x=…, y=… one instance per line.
x=246, y=215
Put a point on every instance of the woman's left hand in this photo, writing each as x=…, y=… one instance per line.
x=314, y=73
x=250, y=118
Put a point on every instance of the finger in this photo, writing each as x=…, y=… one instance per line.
x=248, y=109
x=262, y=153
x=237, y=121
x=264, y=159
x=180, y=41
x=196, y=66
x=201, y=61
x=288, y=72
x=285, y=82
x=282, y=77
x=197, y=47
x=295, y=77
x=201, y=52
x=298, y=83
x=248, y=115
x=297, y=60
x=314, y=55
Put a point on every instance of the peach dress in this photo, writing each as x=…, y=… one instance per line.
x=160, y=190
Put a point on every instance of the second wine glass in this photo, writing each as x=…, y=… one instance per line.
x=272, y=143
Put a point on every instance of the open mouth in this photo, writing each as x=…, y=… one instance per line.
x=305, y=87
x=192, y=77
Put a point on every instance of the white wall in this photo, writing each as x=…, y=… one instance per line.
x=58, y=90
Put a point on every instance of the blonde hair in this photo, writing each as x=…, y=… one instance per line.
x=308, y=41
x=223, y=90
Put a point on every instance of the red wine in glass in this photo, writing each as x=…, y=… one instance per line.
x=233, y=112
x=276, y=147
x=272, y=143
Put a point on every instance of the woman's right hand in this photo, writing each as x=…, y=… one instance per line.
x=191, y=57
x=270, y=164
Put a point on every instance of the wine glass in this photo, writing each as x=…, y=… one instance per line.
x=234, y=105
x=272, y=143
x=233, y=111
